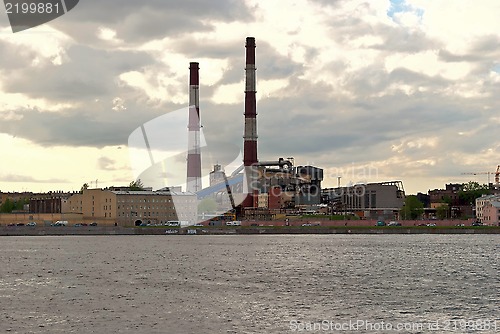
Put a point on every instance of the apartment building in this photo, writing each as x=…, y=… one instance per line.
x=488, y=209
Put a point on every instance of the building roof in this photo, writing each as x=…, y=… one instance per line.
x=495, y=204
x=488, y=198
x=153, y=193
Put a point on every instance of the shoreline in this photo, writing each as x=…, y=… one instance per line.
x=246, y=230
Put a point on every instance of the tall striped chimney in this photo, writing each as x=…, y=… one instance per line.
x=250, y=136
x=194, y=154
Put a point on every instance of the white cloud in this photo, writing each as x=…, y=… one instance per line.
x=458, y=23
x=14, y=101
x=427, y=63
x=228, y=94
x=46, y=43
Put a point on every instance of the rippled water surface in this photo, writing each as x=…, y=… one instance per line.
x=248, y=284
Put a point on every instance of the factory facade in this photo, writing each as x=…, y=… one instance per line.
x=370, y=201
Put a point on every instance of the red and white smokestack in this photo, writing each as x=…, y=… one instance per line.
x=250, y=135
x=194, y=155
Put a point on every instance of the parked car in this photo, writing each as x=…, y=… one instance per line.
x=93, y=224
x=380, y=223
x=31, y=224
x=60, y=223
x=20, y=224
x=233, y=223
x=431, y=225
x=307, y=224
x=394, y=223
x=477, y=223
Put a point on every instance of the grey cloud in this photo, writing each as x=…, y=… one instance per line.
x=270, y=64
x=95, y=126
x=27, y=178
x=106, y=163
x=142, y=21
x=89, y=73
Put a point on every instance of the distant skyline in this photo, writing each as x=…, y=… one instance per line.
x=368, y=90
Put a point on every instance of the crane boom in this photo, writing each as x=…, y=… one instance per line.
x=497, y=175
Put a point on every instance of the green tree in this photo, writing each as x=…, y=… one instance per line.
x=412, y=208
x=472, y=190
x=7, y=206
x=85, y=186
x=136, y=185
x=19, y=205
x=442, y=211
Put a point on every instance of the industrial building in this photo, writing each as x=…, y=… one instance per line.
x=258, y=189
x=51, y=202
x=370, y=200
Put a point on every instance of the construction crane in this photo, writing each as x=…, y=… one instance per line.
x=497, y=178
x=229, y=192
x=497, y=175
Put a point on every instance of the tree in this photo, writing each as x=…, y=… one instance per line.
x=85, y=186
x=7, y=206
x=442, y=211
x=136, y=185
x=472, y=190
x=19, y=205
x=413, y=208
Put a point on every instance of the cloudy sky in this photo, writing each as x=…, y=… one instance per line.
x=371, y=91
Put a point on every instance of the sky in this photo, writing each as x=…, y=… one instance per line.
x=370, y=91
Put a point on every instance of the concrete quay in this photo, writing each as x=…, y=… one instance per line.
x=223, y=230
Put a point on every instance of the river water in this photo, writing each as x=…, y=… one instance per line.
x=250, y=284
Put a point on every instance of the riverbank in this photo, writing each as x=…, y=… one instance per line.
x=221, y=230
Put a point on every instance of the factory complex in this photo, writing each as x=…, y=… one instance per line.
x=259, y=190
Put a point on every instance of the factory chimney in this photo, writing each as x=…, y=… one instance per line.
x=250, y=135
x=193, y=183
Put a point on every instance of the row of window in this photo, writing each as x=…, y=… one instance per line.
x=147, y=214
x=140, y=207
x=144, y=200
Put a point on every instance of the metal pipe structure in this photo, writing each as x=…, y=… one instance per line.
x=250, y=135
x=193, y=182
x=281, y=163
